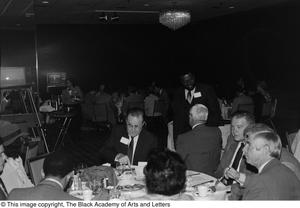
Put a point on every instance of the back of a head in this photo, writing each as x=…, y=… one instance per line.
x=199, y=112
x=58, y=164
x=165, y=173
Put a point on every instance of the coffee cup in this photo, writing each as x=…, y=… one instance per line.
x=87, y=194
x=203, y=190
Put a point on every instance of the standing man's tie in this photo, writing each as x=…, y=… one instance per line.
x=130, y=151
x=189, y=96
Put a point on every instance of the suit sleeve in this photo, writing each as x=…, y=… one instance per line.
x=256, y=190
x=108, y=151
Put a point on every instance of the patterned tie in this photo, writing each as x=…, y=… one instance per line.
x=189, y=96
x=130, y=150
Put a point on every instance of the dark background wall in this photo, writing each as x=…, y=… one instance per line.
x=260, y=44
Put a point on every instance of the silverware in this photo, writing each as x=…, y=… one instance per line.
x=213, y=188
x=193, y=174
x=198, y=184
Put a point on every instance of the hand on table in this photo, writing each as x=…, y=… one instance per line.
x=122, y=159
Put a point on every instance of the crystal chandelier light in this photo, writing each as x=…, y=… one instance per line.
x=174, y=19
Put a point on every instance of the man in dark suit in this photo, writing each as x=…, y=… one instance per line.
x=240, y=120
x=57, y=168
x=274, y=180
x=286, y=159
x=130, y=144
x=201, y=147
x=189, y=95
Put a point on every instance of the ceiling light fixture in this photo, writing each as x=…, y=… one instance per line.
x=103, y=17
x=174, y=19
x=114, y=17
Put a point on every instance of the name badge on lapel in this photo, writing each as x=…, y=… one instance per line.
x=124, y=140
x=197, y=94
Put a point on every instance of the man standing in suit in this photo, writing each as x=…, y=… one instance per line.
x=57, y=168
x=201, y=147
x=274, y=180
x=232, y=156
x=189, y=95
x=130, y=144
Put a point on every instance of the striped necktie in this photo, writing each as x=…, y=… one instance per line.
x=130, y=150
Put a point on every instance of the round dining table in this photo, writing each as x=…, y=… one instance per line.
x=132, y=186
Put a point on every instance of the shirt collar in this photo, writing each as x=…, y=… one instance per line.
x=55, y=181
x=263, y=165
x=196, y=125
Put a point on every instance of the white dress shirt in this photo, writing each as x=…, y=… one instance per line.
x=192, y=93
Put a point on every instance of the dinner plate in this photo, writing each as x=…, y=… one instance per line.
x=134, y=187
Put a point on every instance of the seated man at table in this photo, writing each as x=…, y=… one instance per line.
x=232, y=156
x=165, y=175
x=57, y=168
x=200, y=147
x=274, y=180
x=130, y=144
x=286, y=158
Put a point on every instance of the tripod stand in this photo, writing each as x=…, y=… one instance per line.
x=30, y=111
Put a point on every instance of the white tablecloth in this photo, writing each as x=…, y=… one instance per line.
x=193, y=178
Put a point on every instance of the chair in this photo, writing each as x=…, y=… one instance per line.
x=269, y=111
x=290, y=136
x=160, y=107
x=249, y=107
x=101, y=116
x=31, y=145
x=35, y=168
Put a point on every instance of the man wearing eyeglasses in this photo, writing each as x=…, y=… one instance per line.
x=129, y=144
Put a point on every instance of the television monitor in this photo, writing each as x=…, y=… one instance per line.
x=12, y=76
x=56, y=79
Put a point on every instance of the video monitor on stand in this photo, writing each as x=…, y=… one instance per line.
x=56, y=82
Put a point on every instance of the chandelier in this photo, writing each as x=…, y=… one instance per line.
x=174, y=19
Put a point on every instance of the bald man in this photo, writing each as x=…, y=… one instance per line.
x=201, y=147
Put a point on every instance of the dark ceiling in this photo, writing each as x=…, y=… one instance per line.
x=27, y=13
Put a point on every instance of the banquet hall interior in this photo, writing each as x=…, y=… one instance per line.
x=129, y=44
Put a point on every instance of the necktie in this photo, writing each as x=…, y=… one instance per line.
x=234, y=165
x=130, y=150
x=238, y=157
x=189, y=96
x=3, y=187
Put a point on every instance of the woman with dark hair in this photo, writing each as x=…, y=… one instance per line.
x=165, y=176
